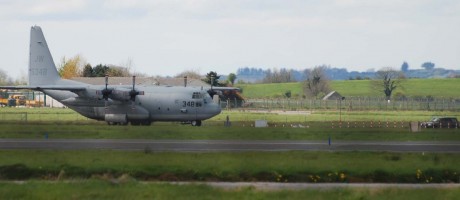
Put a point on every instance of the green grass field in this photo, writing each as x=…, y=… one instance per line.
x=294, y=166
x=440, y=88
x=316, y=131
x=135, y=190
x=356, y=125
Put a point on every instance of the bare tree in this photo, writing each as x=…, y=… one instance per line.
x=387, y=80
x=191, y=74
x=118, y=71
x=316, y=83
x=282, y=75
x=4, y=78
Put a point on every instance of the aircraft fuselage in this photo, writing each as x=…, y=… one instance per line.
x=159, y=103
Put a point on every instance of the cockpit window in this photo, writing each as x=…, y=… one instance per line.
x=197, y=95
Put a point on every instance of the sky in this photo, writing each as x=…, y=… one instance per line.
x=166, y=37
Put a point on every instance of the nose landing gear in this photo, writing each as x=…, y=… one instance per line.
x=196, y=123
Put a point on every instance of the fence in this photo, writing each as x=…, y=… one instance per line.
x=357, y=104
x=38, y=116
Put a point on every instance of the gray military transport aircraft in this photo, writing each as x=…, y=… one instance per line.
x=117, y=104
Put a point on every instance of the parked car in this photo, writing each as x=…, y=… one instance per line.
x=441, y=122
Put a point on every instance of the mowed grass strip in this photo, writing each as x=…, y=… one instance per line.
x=94, y=189
x=293, y=166
x=315, y=131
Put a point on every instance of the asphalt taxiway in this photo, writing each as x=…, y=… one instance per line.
x=228, y=145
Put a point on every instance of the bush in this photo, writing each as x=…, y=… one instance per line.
x=16, y=172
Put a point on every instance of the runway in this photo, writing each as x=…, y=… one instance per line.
x=228, y=145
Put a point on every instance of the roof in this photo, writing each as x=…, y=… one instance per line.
x=332, y=96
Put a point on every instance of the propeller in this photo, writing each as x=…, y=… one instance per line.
x=106, y=92
x=211, y=92
x=133, y=93
x=120, y=94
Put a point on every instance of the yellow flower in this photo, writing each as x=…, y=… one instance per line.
x=342, y=176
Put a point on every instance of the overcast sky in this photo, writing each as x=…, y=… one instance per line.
x=166, y=37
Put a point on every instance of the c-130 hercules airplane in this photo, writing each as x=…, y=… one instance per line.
x=117, y=104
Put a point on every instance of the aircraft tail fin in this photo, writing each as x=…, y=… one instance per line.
x=42, y=70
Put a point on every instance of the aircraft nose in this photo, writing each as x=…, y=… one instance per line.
x=216, y=110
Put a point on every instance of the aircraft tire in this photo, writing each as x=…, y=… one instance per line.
x=146, y=123
x=196, y=123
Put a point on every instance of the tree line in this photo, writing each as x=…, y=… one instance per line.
x=258, y=75
x=77, y=67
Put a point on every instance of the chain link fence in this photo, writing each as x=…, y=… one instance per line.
x=357, y=104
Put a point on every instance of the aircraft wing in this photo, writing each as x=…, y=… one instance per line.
x=72, y=88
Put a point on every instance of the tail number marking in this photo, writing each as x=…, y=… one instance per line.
x=38, y=72
x=39, y=58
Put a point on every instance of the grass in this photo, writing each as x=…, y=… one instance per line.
x=333, y=115
x=69, y=116
x=135, y=190
x=317, y=131
x=319, y=125
x=293, y=166
x=412, y=88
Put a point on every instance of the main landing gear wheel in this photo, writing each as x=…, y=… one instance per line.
x=141, y=122
x=117, y=123
x=196, y=123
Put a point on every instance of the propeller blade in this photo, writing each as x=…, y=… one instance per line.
x=106, y=81
x=134, y=81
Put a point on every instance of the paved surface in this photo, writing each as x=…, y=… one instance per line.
x=274, y=186
x=270, y=186
x=228, y=145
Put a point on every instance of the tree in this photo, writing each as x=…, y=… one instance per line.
x=405, y=67
x=71, y=67
x=387, y=80
x=428, y=65
x=231, y=78
x=4, y=78
x=100, y=70
x=87, y=71
x=191, y=74
x=316, y=82
x=22, y=79
x=212, y=78
x=279, y=76
x=117, y=71
x=288, y=94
